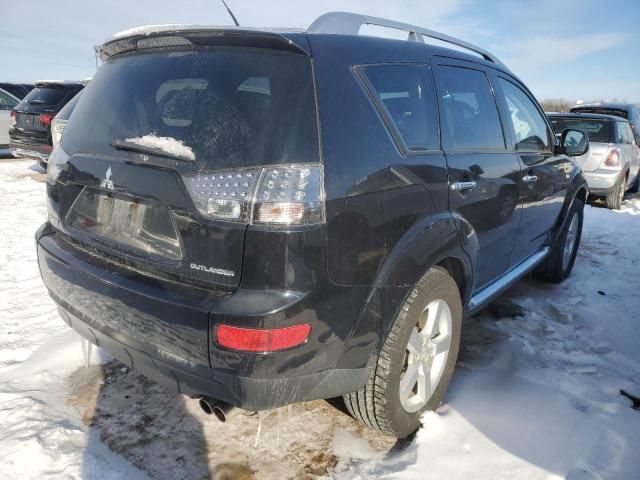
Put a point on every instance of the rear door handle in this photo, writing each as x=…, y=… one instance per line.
x=463, y=186
x=530, y=179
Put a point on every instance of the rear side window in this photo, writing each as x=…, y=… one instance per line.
x=623, y=133
x=46, y=96
x=404, y=94
x=231, y=107
x=6, y=102
x=527, y=123
x=468, y=112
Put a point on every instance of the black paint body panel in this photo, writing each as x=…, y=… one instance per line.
x=390, y=216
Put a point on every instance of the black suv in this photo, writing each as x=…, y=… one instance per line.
x=630, y=111
x=259, y=217
x=30, y=126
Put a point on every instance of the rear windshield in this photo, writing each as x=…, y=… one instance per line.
x=46, y=96
x=230, y=107
x=599, y=131
x=602, y=111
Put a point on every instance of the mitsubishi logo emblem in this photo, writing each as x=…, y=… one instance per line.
x=107, y=183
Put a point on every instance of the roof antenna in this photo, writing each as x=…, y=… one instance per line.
x=235, y=20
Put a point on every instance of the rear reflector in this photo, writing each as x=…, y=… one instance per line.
x=262, y=341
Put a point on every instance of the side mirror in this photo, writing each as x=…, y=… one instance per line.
x=574, y=142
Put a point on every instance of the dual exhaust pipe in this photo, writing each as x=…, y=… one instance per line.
x=222, y=410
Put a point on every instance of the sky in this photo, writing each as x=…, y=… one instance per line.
x=571, y=49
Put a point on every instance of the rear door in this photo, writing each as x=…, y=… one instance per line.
x=484, y=177
x=545, y=176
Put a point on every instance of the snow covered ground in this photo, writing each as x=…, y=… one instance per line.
x=534, y=397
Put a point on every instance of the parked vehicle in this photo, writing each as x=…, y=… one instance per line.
x=214, y=229
x=7, y=102
x=60, y=121
x=612, y=165
x=630, y=111
x=18, y=90
x=30, y=128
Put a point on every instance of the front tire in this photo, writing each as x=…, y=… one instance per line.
x=415, y=364
x=559, y=263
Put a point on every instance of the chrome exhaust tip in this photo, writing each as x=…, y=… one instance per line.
x=207, y=404
x=223, y=411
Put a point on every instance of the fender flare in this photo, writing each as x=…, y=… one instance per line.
x=398, y=275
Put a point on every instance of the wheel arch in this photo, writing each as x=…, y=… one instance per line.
x=398, y=277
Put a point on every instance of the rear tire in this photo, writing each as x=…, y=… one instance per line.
x=431, y=319
x=559, y=263
x=613, y=201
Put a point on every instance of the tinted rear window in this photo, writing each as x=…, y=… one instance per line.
x=405, y=93
x=49, y=97
x=231, y=107
x=599, y=131
x=468, y=112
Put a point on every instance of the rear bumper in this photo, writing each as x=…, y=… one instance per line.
x=162, y=329
x=29, y=149
x=602, y=182
x=253, y=394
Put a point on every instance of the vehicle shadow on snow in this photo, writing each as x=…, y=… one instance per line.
x=166, y=435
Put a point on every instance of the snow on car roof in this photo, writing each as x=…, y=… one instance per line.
x=151, y=29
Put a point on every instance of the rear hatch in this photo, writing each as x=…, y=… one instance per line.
x=155, y=131
x=34, y=113
x=600, y=132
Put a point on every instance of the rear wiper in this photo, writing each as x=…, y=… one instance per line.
x=136, y=147
x=36, y=102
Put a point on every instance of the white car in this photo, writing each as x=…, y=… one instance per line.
x=7, y=102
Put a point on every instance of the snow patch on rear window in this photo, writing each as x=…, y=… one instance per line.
x=166, y=144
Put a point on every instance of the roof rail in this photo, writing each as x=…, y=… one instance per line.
x=343, y=23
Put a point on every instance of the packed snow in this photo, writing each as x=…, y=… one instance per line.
x=535, y=394
x=169, y=145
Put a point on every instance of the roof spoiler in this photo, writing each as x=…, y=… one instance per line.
x=342, y=23
x=192, y=36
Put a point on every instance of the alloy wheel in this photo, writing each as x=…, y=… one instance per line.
x=570, y=241
x=426, y=356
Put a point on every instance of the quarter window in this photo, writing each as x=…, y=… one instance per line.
x=6, y=102
x=468, y=112
x=528, y=126
x=623, y=133
x=404, y=94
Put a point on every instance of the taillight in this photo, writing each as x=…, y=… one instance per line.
x=612, y=160
x=45, y=119
x=12, y=119
x=262, y=340
x=57, y=127
x=287, y=195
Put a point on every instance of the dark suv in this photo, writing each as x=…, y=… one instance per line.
x=630, y=111
x=259, y=217
x=30, y=127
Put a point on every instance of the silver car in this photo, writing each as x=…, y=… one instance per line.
x=7, y=102
x=612, y=164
